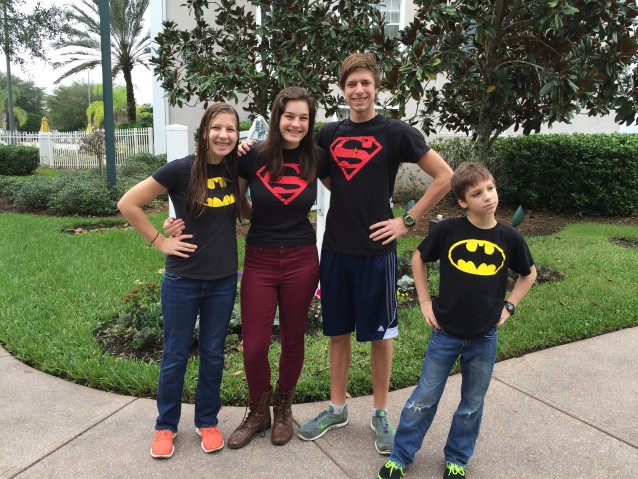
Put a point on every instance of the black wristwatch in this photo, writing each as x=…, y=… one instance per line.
x=408, y=220
x=510, y=308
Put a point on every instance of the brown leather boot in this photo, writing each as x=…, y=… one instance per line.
x=258, y=420
x=282, y=417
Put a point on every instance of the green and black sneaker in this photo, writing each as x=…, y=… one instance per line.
x=453, y=470
x=391, y=470
x=326, y=420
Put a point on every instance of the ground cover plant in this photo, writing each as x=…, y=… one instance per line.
x=58, y=287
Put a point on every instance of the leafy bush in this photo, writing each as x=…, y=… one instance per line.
x=582, y=174
x=454, y=150
x=140, y=166
x=139, y=325
x=9, y=187
x=18, y=160
x=35, y=193
x=83, y=194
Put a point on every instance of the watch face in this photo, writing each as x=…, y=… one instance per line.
x=408, y=220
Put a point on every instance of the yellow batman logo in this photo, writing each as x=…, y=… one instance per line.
x=478, y=257
x=219, y=180
x=219, y=202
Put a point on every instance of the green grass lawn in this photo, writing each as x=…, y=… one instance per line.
x=55, y=287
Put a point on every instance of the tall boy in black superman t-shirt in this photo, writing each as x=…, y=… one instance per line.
x=358, y=254
x=475, y=254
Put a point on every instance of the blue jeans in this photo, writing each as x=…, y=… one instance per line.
x=477, y=362
x=182, y=300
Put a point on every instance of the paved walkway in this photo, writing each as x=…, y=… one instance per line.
x=566, y=412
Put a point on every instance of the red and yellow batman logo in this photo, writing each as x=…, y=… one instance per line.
x=478, y=257
x=221, y=200
x=288, y=186
x=352, y=153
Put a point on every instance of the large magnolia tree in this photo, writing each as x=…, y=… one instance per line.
x=299, y=42
x=518, y=63
x=505, y=63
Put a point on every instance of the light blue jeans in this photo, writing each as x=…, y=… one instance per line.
x=182, y=300
x=477, y=362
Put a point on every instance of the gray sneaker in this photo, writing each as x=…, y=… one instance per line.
x=326, y=420
x=384, y=432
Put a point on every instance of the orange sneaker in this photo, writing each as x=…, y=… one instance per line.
x=162, y=447
x=212, y=439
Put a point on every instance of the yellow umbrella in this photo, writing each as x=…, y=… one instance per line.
x=44, y=125
x=89, y=128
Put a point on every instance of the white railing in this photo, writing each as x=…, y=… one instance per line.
x=62, y=149
x=18, y=138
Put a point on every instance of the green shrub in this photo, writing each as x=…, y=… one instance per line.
x=575, y=174
x=139, y=325
x=35, y=192
x=454, y=150
x=83, y=194
x=140, y=166
x=9, y=187
x=18, y=160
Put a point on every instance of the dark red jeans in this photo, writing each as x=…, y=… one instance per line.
x=286, y=277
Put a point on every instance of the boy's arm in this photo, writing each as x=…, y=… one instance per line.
x=441, y=173
x=420, y=275
x=522, y=286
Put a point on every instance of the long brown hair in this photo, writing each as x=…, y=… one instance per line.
x=197, y=186
x=271, y=147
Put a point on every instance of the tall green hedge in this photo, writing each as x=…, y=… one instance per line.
x=18, y=160
x=576, y=174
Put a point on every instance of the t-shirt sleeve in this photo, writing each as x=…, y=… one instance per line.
x=243, y=163
x=410, y=142
x=429, y=247
x=323, y=163
x=168, y=175
x=521, y=257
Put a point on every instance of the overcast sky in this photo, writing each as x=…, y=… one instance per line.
x=43, y=75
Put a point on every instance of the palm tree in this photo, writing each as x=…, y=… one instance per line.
x=130, y=45
x=18, y=113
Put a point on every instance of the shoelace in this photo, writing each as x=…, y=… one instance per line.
x=392, y=466
x=384, y=424
x=454, y=469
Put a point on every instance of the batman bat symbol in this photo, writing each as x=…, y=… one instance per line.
x=352, y=153
x=218, y=202
x=286, y=188
x=478, y=257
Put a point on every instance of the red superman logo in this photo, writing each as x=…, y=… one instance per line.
x=353, y=152
x=288, y=186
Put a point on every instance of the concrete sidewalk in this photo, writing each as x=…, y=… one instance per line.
x=566, y=412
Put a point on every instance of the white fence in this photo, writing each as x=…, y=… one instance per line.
x=62, y=149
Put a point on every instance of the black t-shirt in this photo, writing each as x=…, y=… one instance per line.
x=474, y=269
x=280, y=208
x=364, y=160
x=213, y=232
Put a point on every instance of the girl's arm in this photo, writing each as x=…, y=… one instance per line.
x=246, y=206
x=131, y=205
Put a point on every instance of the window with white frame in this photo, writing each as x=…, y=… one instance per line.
x=393, y=14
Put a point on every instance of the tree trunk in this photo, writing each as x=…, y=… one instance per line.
x=9, y=88
x=131, y=113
